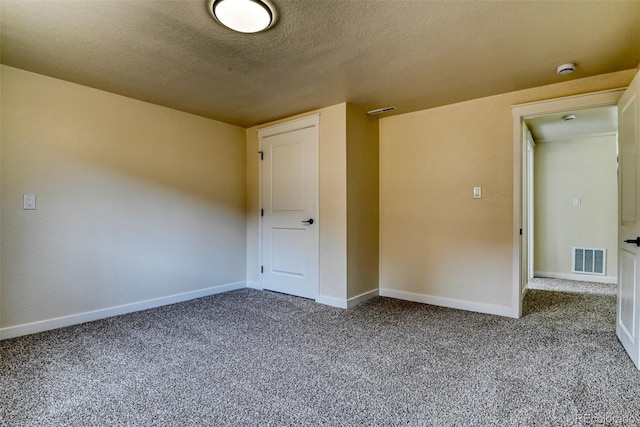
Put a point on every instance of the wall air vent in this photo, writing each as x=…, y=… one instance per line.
x=589, y=261
x=381, y=110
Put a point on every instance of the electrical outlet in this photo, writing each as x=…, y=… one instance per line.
x=29, y=202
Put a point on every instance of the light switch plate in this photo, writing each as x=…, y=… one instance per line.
x=477, y=192
x=29, y=202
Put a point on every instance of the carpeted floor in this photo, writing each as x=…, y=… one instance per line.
x=573, y=286
x=259, y=358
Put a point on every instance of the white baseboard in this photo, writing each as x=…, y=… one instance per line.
x=346, y=303
x=577, y=277
x=500, y=310
x=332, y=301
x=254, y=285
x=353, y=301
x=75, y=319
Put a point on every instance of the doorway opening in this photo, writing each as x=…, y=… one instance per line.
x=572, y=199
x=543, y=118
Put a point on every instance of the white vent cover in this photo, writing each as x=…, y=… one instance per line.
x=381, y=110
x=589, y=261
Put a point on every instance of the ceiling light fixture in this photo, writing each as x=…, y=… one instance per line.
x=567, y=68
x=244, y=16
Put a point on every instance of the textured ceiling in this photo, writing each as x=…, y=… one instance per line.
x=412, y=54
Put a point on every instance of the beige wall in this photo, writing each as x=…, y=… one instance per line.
x=586, y=168
x=137, y=202
x=333, y=200
x=134, y=201
x=362, y=202
x=437, y=244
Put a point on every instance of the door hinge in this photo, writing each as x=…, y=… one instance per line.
x=261, y=155
x=521, y=231
x=261, y=212
x=262, y=269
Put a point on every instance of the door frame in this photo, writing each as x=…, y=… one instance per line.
x=312, y=120
x=521, y=112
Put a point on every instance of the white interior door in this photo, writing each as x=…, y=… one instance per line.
x=628, y=320
x=526, y=234
x=527, y=209
x=290, y=220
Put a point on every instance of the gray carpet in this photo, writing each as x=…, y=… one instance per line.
x=259, y=358
x=573, y=286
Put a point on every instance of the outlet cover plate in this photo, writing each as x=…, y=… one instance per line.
x=29, y=202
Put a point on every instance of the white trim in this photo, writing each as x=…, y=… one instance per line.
x=332, y=301
x=347, y=303
x=479, y=307
x=255, y=285
x=519, y=113
x=577, y=277
x=260, y=265
x=576, y=102
x=353, y=301
x=89, y=316
x=516, y=270
x=296, y=124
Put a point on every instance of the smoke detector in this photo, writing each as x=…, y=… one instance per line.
x=567, y=68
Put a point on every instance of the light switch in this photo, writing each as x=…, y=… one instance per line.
x=477, y=192
x=577, y=202
x=29, y=202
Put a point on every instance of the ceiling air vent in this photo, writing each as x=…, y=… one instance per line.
x=381, y=110
x=589, y=261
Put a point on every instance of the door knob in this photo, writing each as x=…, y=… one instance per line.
x=309, y=221
x=636, y=241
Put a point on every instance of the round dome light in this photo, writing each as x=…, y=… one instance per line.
x=244, y=16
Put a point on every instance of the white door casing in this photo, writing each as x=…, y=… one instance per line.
x=289, y=201
x=628, y=318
